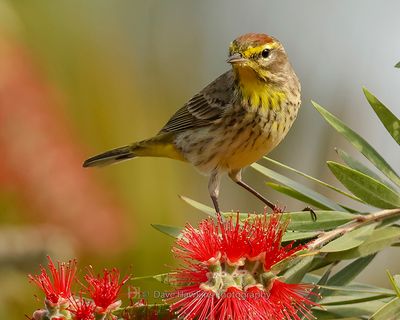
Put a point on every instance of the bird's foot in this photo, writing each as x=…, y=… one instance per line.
x=312, y=213
x=275, y=209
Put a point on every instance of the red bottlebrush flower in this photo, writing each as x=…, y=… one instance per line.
x=202, y=244
x=289, y=300
x=238, y=284
x=82, y=309
x=194, y=303
x=269, y=233
x=202, y=304
x=104, y=289
x=234, y=238
x=57, y=288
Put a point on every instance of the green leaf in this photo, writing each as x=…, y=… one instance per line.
x=388, y=119
x=357, y=165
x=296, y=273
x=326, y=220
x=314, y=295
x=365, y=187
x=350, y=240
x=296, y=195
x=320, y=262
x=302, y=220
x=146, y=311
x=397, y=65
x=297, y=186
x=360, y=144
x=293, y=235
x=313, y=179
x=379, y=239
x=321, y=282
x=355, y=298
x=171, y=231
x=390, y=311
x=394, y=282
x=299, y=221
x=355, y=310
x=325, y=315
x=289, y=262
x=343, y=289
x=348, y=273
x=197, y=205
x=162, y=277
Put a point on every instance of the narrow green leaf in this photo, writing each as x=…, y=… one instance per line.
x=313, y=179
x=311, y=277
x=314, y=295
x=163, y=277
x=302, y=220
x=348, y=273
x=360, y=144
x=325, y=315
x=289, y=262
x=326, y=220
x=296, y=273
x=355, y=298
x=299, y=221
x=394, y=283
x=390, y=311
x=396, y=278
x=388, y=119
x=379, y=239
x=350, y=240
x=357, y=165
x=292, y=235
x=297, y=186
x=199, y=206
x=343, y=289
x=146, y=311
x=171, y=231
x=296, y=195
x=370, y=190
x=320, y=262
x=397, y=65
x=359, y=310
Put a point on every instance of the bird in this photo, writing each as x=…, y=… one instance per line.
x=233, y=122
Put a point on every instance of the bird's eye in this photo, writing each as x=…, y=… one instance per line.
x=265, y=53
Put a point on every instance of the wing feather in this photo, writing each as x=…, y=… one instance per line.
x=206, y=107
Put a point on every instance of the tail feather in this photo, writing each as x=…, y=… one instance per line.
x=159, y=146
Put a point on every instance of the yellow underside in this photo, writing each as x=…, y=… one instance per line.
x=240, y=157
x=159, y=146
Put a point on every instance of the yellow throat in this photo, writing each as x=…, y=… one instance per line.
x=256, y=92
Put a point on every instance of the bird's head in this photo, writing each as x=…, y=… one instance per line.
x=257, y=53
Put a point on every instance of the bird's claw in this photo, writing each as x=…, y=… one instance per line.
x=312, y=213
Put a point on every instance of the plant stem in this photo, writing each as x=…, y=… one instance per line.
x=359, y=221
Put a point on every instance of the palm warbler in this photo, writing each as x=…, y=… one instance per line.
x=231, y=123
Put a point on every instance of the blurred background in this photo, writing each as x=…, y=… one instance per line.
x=80, y=77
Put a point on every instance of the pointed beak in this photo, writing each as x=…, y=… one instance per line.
x=236, y=58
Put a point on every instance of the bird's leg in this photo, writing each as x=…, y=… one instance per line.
x=236, y=176
x=213, y=189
